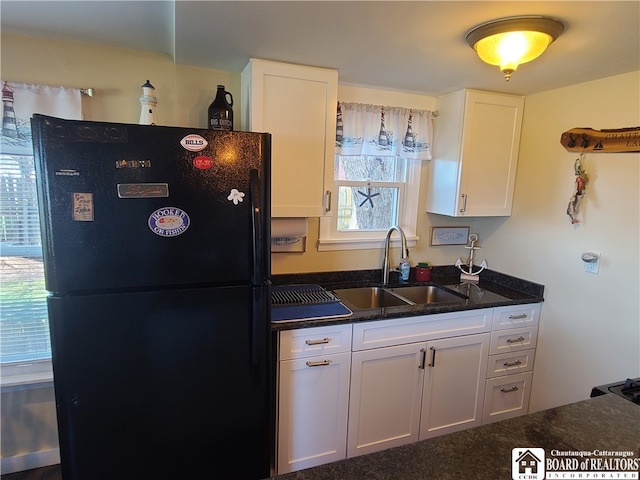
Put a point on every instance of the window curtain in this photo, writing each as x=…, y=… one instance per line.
x=24, y=333
x=21, y=100
x=378, y=130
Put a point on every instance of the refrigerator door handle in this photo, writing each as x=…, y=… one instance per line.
x=257, y=230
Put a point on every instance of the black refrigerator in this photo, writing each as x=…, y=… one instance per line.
x=156, y=248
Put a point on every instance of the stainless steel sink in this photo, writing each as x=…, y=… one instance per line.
x=365, y=298
x=369, y=297
x=422, y=294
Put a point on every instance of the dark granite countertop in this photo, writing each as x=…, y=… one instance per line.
x=512, y=291
x=593, y=429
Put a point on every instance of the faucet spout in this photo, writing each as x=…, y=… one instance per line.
x=386, y=263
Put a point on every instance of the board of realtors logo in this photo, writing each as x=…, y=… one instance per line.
x=527, y=464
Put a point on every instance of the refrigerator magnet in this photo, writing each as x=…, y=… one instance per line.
x=202, y=162
x=82, y=207
x=236, y=196
x=169, y=222
x=194, y=143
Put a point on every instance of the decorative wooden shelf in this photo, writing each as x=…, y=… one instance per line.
x=588, y=140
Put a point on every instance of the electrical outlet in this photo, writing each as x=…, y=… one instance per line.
x=592, y=267
x=591, y=262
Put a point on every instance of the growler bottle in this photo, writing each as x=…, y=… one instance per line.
x=220, y=111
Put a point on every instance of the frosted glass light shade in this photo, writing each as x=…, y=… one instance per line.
x=512, y=41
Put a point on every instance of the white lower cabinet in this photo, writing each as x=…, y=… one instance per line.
x=405, y=393
x=346, y=390
x=454, y=384
x=386, y=395
x=511, y=356
x=416, y=377
x=313, y=396
x=506, y=397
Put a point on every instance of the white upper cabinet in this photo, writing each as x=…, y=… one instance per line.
x=297, y=105
x=476, y=142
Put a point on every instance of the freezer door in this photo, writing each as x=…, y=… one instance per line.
x=162, y=385
x=139, y=206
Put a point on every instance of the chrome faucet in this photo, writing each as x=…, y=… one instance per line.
x=385, y=262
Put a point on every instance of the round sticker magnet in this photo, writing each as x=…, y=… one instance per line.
x=169, y=221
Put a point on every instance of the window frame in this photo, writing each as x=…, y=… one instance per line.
x=332, y=239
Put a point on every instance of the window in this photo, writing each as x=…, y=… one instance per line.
x=369, y=192
x=373, y=194
x=24, y=329
x=376, y=175
x=25, y=348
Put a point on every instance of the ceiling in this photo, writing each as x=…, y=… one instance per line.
x=415, y=46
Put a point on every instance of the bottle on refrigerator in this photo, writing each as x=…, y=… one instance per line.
x=220, y=112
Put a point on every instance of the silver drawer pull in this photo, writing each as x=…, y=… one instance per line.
x=319, y=342
x=508, y=390
x=514, y=340
x=512, y=364
x=517, y=317
x=323, y=363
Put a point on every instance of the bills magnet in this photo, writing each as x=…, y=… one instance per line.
x=194, y=142
x=169, y=222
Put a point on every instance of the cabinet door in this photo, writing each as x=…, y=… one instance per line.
x=490, y=144
x=313, y=399
x=384, y=408
x=454, y=384
x=297, y=105
x=476, y=144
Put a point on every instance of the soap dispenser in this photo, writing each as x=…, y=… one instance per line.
x=405, y=268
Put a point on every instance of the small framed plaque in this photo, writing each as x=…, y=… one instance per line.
x=449, y=235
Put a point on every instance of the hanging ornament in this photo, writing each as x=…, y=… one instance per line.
x=367, y=196
x=581, y=182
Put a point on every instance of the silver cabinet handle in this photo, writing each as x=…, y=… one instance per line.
x=517, y=317
x=322, y=363
x=512, y=364
x=507, y=390
x=514, y=340
x=319, y=342
x=433, y=356
x=464, y=203
x=327, y=201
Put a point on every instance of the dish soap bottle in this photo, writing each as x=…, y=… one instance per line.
x=220, y=112
x=405, y=268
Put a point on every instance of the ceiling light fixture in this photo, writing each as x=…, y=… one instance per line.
x=509, y=42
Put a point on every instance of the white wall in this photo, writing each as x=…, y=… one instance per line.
x=590, y=325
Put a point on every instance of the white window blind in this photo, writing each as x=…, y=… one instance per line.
x=24, y=329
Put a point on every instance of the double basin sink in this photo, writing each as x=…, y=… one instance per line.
x=366, y=298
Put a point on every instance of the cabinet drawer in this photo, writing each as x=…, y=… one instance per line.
x=513, y=340
x=313, y=400
x=515, y=316
x=399, y=331
x=510, y=363
x=506, y=397
x=306, y=342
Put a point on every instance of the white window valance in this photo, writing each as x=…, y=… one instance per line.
x=377, y=130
